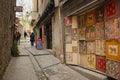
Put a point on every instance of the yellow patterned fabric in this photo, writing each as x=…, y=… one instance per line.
x=113, y=50
x=90, y=18
x=91, y=61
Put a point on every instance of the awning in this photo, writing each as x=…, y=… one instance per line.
x=47, y=14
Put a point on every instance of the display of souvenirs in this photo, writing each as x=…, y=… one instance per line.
x=74, y=30
x=113, y=69
x=81, y=33
x=81, y=21
x=68, y=30
x=99, y=14
x=91, y=61
x=100, y=47
x=74, y=49
x=90, y=46
x=74, y=37
x=68, y=21
x=111, y=9
x=82, y=46
x=90, y=33
x=69, y=58
x=111, y=29
x=100, y=30
x=83, y=60
x=68, y=47
x=101, y=63
x=113, y=50
x=68, y=39
x=90, y=18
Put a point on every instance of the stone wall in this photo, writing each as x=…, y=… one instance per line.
x=57, y=39
x=6, y=24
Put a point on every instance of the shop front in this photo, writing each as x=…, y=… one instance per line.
x=92, y=36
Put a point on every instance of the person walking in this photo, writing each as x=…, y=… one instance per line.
x=32, y=39
x=17, y=37
x=25, y=35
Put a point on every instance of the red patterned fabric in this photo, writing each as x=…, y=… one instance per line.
x=101, y=63
x=68, y=21
x=111, y=9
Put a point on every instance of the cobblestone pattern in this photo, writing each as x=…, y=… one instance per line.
x=6, y=22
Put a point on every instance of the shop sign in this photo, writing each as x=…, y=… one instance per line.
x=18, y=8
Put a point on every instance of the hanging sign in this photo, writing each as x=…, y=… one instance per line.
x=18, y=8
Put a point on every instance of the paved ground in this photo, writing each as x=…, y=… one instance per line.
x=20, y=68
x=33, y=64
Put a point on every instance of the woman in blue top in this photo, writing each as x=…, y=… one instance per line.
x=32, y=39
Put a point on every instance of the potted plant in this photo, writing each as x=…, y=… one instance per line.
x=14, y=49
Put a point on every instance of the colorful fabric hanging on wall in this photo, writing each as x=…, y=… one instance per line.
x=74, y=37
x=113, y=69
x=82, y=46
x=90, y=33
x=101, y=63
x=81, y=33
x=75, y=58
x=90, y=46
x=90, y=18
x=69, y=58
x=74, y=43
x=68, y=21
x=111, y=29
x=68, y=47
x=91, y=61
x=83, y=60
x=81, y=21
x=68, y=30
x=100, y=30
x=74, y=49
x=99, y=12
x=68, y=39
x=74, y=22
x=100, y=47
x=74, y=30
x=111, y=9
x=113, y=50
x=119, y=30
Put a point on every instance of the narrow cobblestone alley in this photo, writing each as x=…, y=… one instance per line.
x=33, y=64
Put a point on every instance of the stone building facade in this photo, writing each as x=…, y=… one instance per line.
x=49, y=26
x=6, y=32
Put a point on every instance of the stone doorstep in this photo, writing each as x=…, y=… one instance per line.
x=89, y=74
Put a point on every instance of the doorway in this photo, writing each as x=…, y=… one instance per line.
x=48, y=31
